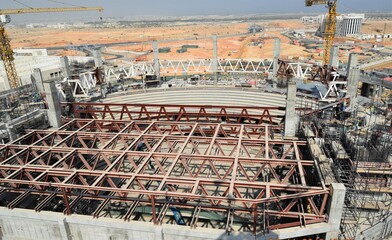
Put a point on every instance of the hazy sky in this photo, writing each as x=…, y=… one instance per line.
x=123, y=8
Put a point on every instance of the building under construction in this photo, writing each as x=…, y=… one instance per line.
x=102, y=152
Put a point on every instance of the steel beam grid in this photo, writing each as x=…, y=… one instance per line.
x=236, y=170
x=165, y=112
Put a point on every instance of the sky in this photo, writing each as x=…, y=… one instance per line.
x=124, y=8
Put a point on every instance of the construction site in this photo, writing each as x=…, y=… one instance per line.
x=256, y=131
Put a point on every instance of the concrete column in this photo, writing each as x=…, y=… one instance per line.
x=37, y=79
x=65, y=65
x=54, y=110
x=335, y=209
x=12, y=135
x=215, y=58
x=334, y=61
x=353, y=75
x=97, y=58
x=275, y=65
x=290, y=124
x=157, y=68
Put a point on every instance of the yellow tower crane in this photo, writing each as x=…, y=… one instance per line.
x=330, y=26
x=6, y=52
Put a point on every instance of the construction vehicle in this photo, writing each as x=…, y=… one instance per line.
x=6, y=52
x=330, y=26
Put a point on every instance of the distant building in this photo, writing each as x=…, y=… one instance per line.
x=346, y=25
x=312, y=19
x=255, y=28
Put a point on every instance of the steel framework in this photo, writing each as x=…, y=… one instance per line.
x=228, y=176
x=166, y=112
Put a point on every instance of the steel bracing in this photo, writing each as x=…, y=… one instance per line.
x=222, y=175
x=166, y=112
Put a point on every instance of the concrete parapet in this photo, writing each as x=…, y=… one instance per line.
x=30, y=225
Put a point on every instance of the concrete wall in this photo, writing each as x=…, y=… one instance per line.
x=25, y=66
x=381, y=230
x=22, y=224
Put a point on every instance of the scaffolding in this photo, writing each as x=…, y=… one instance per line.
x=360, y=147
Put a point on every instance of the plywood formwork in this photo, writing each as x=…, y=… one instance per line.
x=227, y=176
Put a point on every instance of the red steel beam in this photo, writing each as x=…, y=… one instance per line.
x=199, y=113
x=151, y=162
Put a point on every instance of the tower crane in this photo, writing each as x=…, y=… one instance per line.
x=330, y=26
x=6, y=52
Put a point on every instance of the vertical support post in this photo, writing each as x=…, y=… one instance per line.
x=334, y=60
x=255, y=219
x=154, y=214
x=353, y=75
x=290, y=123
x=68, y=209
x=157, y=68
x=97, y=58
x=275, y=65
x=37, y=79
x=65, y=65
x=54, y=108
x=215, y=59
x=335, y=209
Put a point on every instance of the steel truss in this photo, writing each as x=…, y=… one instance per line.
x=232, y=176
x=297, y=69
x=165, y=112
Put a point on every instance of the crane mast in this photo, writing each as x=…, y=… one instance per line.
x=330, y=26
x=6, y=52
x=7, y=55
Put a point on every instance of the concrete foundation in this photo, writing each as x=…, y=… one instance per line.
x=291, y=117
x=54, y=110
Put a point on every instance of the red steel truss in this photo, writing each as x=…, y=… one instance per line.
x=229, y=176
x=161, y=112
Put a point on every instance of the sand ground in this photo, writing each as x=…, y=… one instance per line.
x=229, y=47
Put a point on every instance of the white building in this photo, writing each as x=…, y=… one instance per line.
x=25, y=66
x=312, y=19
x=351, y=24
x=346, y=25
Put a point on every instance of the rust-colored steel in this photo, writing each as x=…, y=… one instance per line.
x=238, y=171
x=160, y=112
